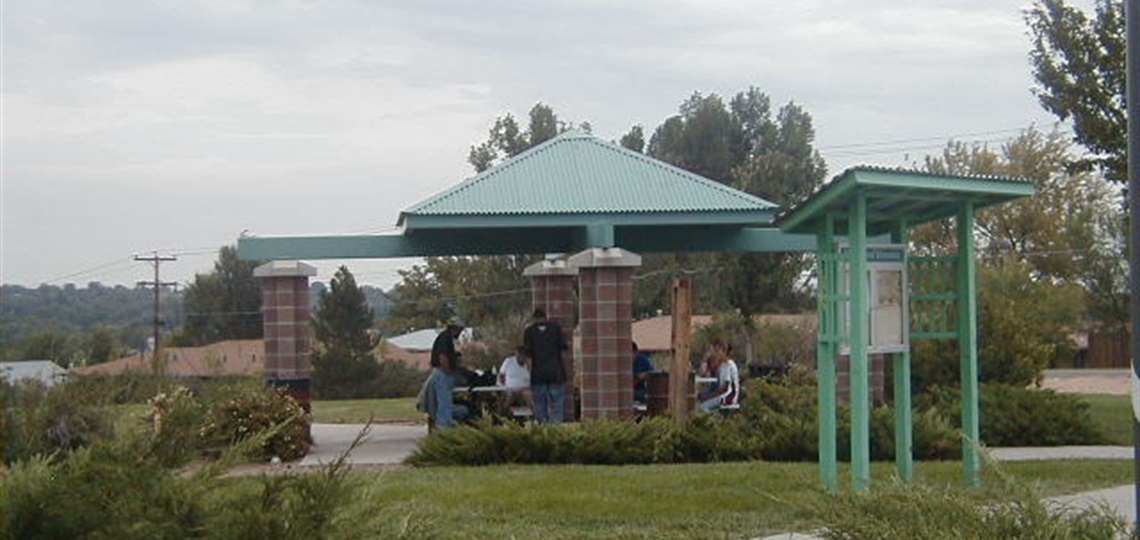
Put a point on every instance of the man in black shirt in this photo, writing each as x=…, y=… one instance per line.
x=544, y=344
x=444, y=361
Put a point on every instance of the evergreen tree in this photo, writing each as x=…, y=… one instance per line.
x=223, y=304
x=343, y=364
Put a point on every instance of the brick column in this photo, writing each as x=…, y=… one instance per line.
x=552, y=284
x=285, y=309
x=605, y=319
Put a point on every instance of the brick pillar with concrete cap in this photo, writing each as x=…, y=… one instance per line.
x=605, y=320
x=285, y=310
x=552, y=283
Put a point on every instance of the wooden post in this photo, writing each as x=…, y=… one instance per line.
x=682, y=343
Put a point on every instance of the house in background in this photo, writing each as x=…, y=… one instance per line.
x=46, y=372
x=224, y=358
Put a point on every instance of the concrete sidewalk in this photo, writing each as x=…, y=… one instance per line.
x=383, y=444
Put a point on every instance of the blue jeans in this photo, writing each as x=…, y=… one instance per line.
x=443, y=385
x=549, y=403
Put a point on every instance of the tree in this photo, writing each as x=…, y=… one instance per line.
x=102, y=345
x=1069, y=222
x=634, y=139
x=343, y=364
x=1079, y=65
x=742, y=146
x=1042, y=260
x=505, y=139
x=223, y=304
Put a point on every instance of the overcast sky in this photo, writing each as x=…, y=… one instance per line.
x=172, y=126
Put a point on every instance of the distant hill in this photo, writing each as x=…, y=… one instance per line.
x=71, y=310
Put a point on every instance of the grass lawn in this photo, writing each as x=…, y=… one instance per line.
x=727, y=500
x=1113, y=415
x=356, y=411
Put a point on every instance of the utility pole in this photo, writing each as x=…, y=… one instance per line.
x=156, y=360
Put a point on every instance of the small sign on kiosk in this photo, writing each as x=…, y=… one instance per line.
x=887, y=306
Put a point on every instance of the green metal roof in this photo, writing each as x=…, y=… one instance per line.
x=894, y=195
x=576, y=179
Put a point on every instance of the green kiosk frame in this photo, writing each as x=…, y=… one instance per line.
x=900, y=298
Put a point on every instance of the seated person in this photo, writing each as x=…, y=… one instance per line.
x=514, y=375
x=642, y=367
x=727, y=389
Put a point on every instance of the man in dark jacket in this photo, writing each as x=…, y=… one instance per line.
x=444, y=361
x=544, y=344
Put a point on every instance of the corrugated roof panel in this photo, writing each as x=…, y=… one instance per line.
x=576, y=173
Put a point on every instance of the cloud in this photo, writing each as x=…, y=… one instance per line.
x=291, y=116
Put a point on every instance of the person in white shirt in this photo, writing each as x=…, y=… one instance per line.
x=514, y=376
x=727, y=390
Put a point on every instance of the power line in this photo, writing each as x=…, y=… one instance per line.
x=123, y=262
x=931, y=138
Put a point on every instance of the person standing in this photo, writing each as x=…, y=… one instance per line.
x=444, y=362
x=544, y=345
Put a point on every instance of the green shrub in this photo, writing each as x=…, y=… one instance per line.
x=105, y=491
x=601, y=442
x=236, y=418
x=1016, y=416
x=175, y=426
x=40, y=420
x=919, y=511
x=117, y=490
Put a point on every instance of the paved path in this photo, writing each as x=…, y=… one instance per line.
x=1061, y=452
x=383, y=444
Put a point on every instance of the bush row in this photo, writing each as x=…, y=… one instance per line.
x=778, y=422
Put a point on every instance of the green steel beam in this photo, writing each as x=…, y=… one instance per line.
x=968, y=344
x=904, y=421
x=600, y=235
x=424, y=243
x=664, y=239
x=826, y=351
x=859, y=378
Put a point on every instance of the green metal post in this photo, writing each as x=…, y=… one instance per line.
x=825, y=354
x=904, y=425
x=859, y=383
x=968, y=343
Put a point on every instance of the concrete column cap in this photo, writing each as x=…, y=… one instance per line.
x=614, y=257
x=551, y=266
x=274, y=269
